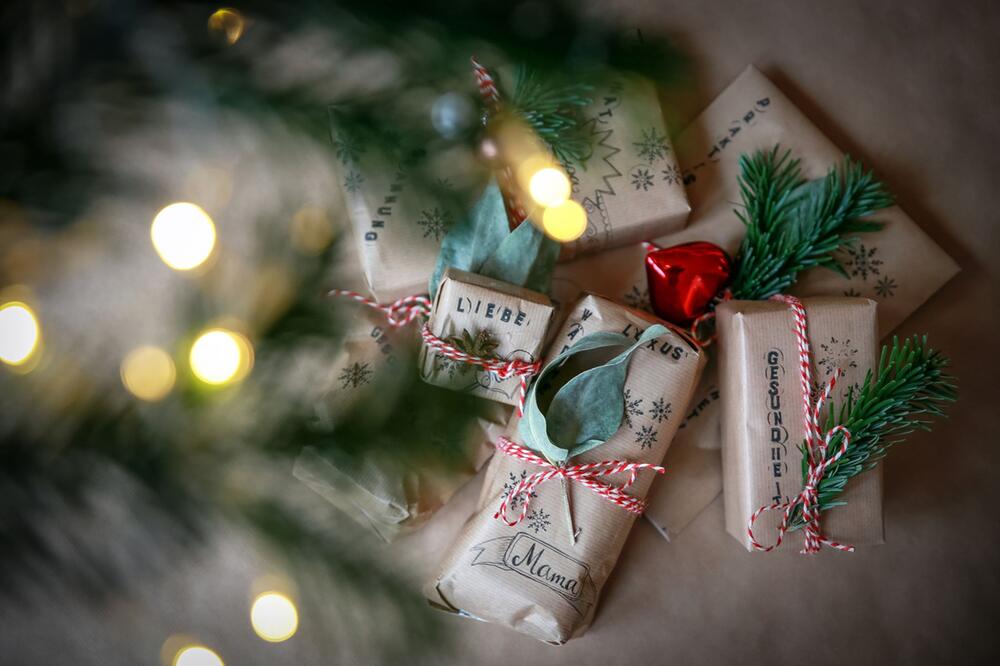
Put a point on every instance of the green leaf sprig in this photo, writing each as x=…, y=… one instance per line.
x=553, y=110
x=793, y=224
x=909, y=388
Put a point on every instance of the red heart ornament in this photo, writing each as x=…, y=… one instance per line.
x=684, y=279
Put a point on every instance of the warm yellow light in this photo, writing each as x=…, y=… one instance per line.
x=227, y=22
x=312, y=231
x=197, y=655
x=183, y=235
x=549, y=187
x=565, y=222
x=219, y=356
x=274, y=617
x=148, y=373
x=19, y=333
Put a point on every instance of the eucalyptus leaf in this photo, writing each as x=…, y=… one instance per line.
x=471, y=241
x=526, y=257
x=589, y=408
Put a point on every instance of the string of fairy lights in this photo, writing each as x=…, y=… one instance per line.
x=184, y=237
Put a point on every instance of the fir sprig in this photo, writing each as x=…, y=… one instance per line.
x=553, y=110
x=908, y=389
x=793, y=224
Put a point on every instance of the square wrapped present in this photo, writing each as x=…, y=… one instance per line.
x=488, y=319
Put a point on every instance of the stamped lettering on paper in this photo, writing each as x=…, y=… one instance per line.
x=540, y=563
x=774, y=372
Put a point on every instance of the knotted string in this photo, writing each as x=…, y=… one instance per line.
x=816, y=445
x=403, y=311
x=586, y=474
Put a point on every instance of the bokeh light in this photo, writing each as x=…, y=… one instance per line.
x=312, y=231
x=549, y=187
x=183, y=235
x=20, y=333
x=565, y=222
x=220, y=356
x=228, y=23
x=148, y=373
x=197, y=655
x=274, y=617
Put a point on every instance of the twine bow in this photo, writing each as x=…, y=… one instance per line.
x=403, y=311
x=816, y=445
x=586, y=474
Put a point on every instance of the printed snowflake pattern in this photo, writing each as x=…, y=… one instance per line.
x=355, y=375
x=837, y=354
x=652, y=145
x=451, y=366
x=632, y=407
x=852, y=293
x=512, y=482
x=642, y=179
x=645, y=437
x=353, y=182
x=539, y=520
x=637, y=298
x=435, y=222
x=660, y=410
x=862, y=261
x=886, y=287
x=672, y=174
x=348, y=149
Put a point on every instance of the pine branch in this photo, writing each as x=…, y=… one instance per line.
x=553, y=110
x=910, y=388
x=793, y=224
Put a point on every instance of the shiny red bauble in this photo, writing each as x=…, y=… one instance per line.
x=684, y=279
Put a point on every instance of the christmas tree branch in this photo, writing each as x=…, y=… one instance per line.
x=793, y=224
x=553, y=111
x=909, y=388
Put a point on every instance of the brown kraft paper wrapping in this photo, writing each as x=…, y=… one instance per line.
x=375, y=490
x=516, y=318
x=762, y=421
x=529, y=577
x=899, y=267
x=631, y=185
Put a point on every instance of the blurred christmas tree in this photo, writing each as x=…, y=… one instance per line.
x=165, y=399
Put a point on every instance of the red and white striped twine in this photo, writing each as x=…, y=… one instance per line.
x=816, y=445
x=491, y=97
x=499, y=368
x=406, y=309
x=398, y=313
x=586, y=474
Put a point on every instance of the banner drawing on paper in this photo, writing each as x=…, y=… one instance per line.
x=541, y=563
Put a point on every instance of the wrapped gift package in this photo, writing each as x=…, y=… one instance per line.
x=630, y=186
x=535, y=577
x=762, y=414
x=512, y=320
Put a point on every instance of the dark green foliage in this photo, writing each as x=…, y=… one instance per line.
x=793, y=224
x=909, y=388
x=553, y=110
